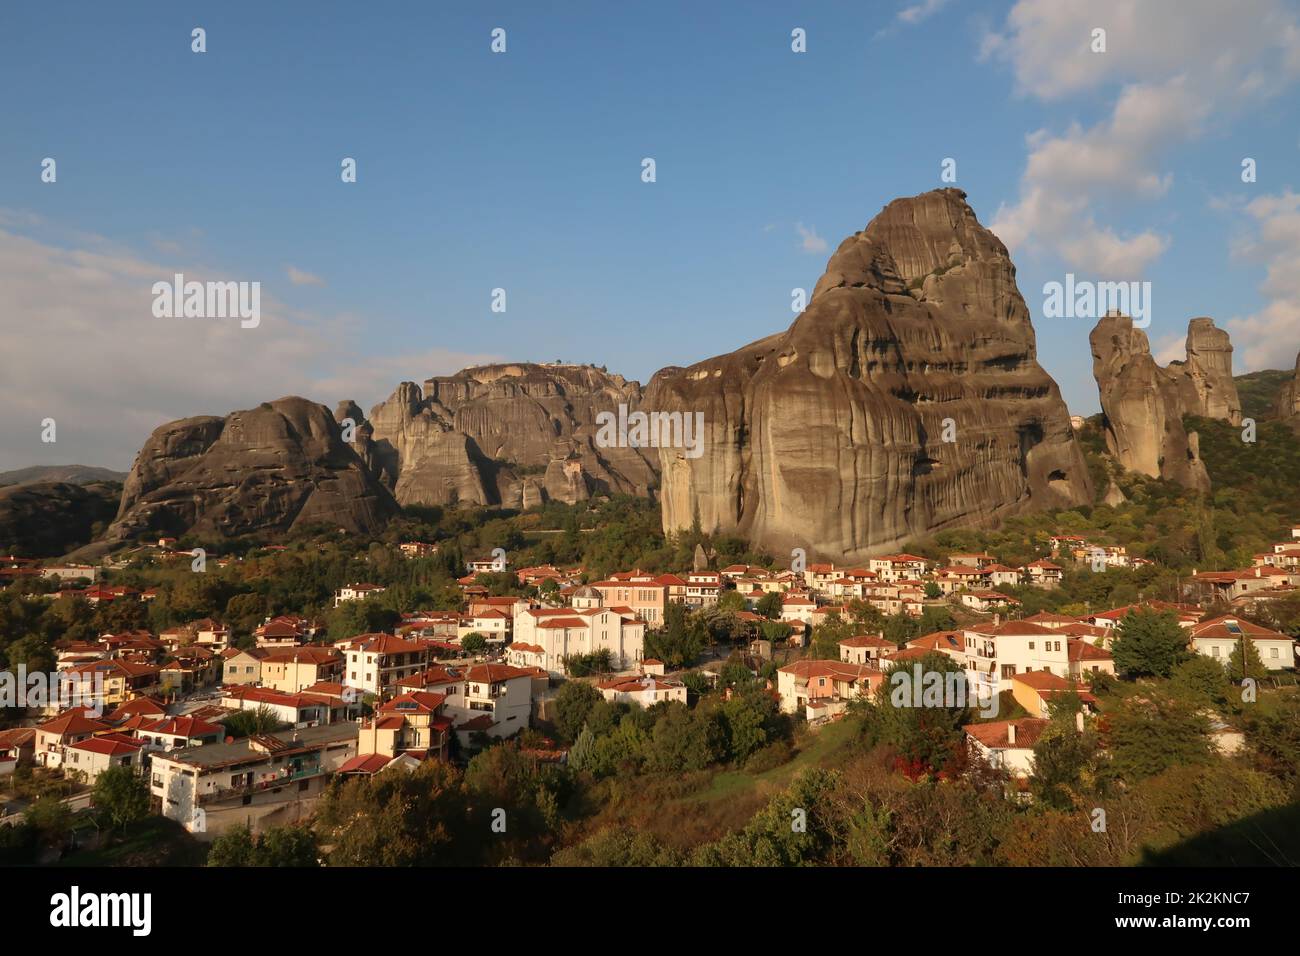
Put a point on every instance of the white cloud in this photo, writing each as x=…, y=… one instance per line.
x=83, y=347
x=1270, y=337
x=809, y=240
x=1174, y=67
x=299, y=277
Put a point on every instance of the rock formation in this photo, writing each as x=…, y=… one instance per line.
x=1207, y=386
x=906, y=399
x=273, y=468
x=511, y=435
x=49, y=518
x=1144, y=404
x=1287, y=404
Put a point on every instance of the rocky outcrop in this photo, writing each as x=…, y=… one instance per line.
x=512, y=435
x=49, y=518
x=1206, y=386
x=907, y=398
x=1144, y=404
x=1287, y=404
x=274, y=468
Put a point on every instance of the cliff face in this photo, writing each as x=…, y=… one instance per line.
x=49, y=518
x=511, y=435
x=907, y=398
x=276, y=467
x=1144, y=404
x=1206, y=385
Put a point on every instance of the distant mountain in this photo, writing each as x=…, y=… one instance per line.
x=70, y=474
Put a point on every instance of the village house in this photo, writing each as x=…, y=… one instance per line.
x=296, y=710
x=1219, y=637
x=121, y=680
x=822, y=689
x=988, y=601
x=797, y=607
x=357, y=592
x=71, y=727
x=898, y=567
x=865, y=648
x=1086, y=658
x=1034, y=689
x=1043, y=574
x=174, y=733
x=93, y=755
x=646, y=595
x=495, y=699
x=703, y=588
x=242, y=667
x=1007, y=744
x=298, y=668
x=411, y=723
x=417, y=549
x=998, y=652
x=579, y=631
x=644, y=691
x=376, y=662
x=265, y=777
x=16, y=744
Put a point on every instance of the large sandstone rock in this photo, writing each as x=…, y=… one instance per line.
x=511, y=435
x=272, y=468
x=832, y=436
x=1207, y=386
x=1144, y=404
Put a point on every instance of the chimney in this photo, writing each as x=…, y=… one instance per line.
x=997, y=619
x=1256, y=570
x=1078, y=721
x=1011, y=732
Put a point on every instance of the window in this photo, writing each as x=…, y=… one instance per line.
x=1031, y=645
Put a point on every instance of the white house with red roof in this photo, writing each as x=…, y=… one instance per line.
x=1007, y=744
x=495, y=699
x=579, y=631
x=1219, y=637
x=1043, y=574
x=94, y=755
x=374, y=663
x=821, y=689
x=865, y=648
x=997, y=652
x=644, y=690
x=357, y=592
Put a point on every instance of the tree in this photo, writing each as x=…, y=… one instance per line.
x=246, y=723
x=770, y=605
x=473, y=643
x=1062, y=759
x=683, y=739
x=51, y=818
x=573, y=704
x=1200, y=680
x=933, y=591
x=1149, y=643
x=420, y=818
x=1253, y=666
x=121, y=796
x=1149, y=735
x=924, y=724
x=278, y=846
x=732, y=601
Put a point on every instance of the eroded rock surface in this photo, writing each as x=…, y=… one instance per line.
x=513, y=435
x=831, y=436
x=1144, y=404
x=272, y=468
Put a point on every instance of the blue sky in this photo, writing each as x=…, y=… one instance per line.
x=522, y=171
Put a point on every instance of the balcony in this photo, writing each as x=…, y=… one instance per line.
x=227, y=793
